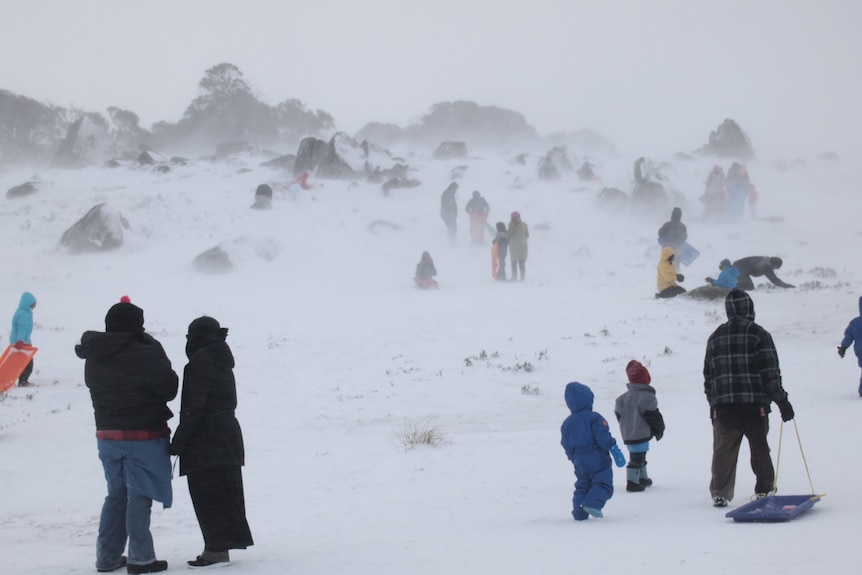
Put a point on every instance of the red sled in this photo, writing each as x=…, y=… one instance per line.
x=12, y=364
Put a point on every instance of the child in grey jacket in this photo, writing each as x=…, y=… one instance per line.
x=640, y=420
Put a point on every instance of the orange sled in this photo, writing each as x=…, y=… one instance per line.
x=12, y=363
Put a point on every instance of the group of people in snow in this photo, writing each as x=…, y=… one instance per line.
x=131, y=380
x=673, y=236
x=725, y=196
x=509, y=241
x=742, y=379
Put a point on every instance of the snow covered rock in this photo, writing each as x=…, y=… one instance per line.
x=308, y=155
x=101, y=229
x=231, y=254
x=729, y=141
x=21, y=190
x=450, y=151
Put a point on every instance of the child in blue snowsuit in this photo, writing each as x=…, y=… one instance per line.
x=853, y=334
x=22, y=327
x=587, y=439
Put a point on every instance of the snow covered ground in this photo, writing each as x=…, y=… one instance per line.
x=338, y=354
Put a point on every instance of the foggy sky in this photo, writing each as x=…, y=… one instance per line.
x=653, y=76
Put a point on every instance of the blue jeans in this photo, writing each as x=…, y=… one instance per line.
x=136, y=473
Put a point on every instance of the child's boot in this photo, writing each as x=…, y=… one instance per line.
x=645, y=481
x=633, y=478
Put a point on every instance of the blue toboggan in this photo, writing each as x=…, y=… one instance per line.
x=772, y=508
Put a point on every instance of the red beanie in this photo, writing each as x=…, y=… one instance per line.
x=637, y=372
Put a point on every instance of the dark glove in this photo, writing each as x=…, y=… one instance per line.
x=175, y=449
x=842, y=350
x=20, y=345
x=786, y=410
x=680, y=278
x=709, y=280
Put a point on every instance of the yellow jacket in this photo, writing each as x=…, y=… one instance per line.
x=666, y=273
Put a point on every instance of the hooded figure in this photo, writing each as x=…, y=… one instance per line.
x=449, y=209
x=500, y=250
x=22, y=328
x=130, y=381
x=478, y=210
x=853, y=335
x=741, y=378
x=210, y=445
x=667, y=276
x=587, y=439
x=673, y=233
x=518, y=233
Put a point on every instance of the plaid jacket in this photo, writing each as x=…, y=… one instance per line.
x=741, y=364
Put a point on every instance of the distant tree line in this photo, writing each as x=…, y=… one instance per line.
x=225, y=110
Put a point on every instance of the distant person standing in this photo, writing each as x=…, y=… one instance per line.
x=518, y=233
x=500, y=251
x=478, y=210
x=673, y=234
x=449, y=210
x=130, y=381
x=738, y=189
x=22, y=328
x=714, y=197
x=853, y=335
x=210, y=445
x=741, y=377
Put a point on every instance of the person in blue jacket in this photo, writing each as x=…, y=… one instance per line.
x=587, y=439
x=853, y=334
x=22, y=327
x=727, y=278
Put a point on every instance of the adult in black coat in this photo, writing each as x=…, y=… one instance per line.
x=673, y=234
x=130, y=381
x=758, y=266
x=209, y=443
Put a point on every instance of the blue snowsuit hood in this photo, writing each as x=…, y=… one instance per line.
x=586, y=439
x=22, y=320
x=579, y=397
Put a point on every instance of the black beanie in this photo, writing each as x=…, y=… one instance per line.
x=125, y=316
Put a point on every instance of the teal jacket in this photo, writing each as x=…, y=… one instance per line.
x=22, y=321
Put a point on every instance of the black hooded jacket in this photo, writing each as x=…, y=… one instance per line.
x=130, y=380
x=673, y=233
x=209, y=435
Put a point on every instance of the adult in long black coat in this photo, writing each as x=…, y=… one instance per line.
x=757, y=266
x=209, y=443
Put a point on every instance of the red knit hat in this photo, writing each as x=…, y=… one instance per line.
x=637, y=372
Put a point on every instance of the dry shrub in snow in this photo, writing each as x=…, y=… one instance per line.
x=410, y=434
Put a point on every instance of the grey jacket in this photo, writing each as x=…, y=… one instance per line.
x=638, y=415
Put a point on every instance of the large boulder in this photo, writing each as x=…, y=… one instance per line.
x=308, y=155
x=101, y=229
x=450, y=151
x=343, y=158
x=230, y=254
x=729, y=141
x=648, y=191
x=21, y=190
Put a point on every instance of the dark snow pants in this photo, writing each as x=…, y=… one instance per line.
x=727, y=434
